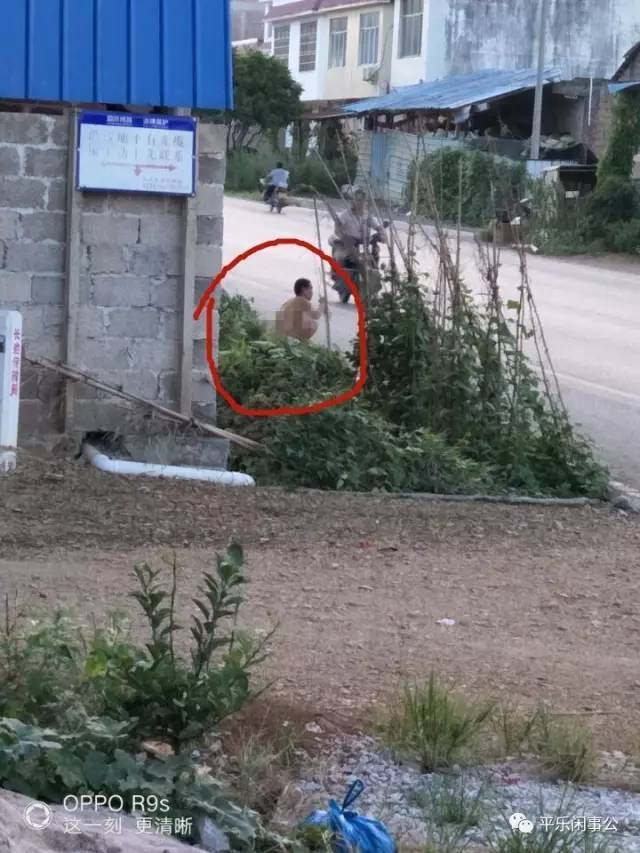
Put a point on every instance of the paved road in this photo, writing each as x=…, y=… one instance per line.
x=590, y=313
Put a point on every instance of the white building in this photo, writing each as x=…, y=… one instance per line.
x=336, y=49
x=341, y=50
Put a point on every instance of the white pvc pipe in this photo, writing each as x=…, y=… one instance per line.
x=10, y=361
x=121, y=466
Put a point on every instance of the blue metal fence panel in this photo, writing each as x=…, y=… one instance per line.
x=379, y=153
x=171, y=53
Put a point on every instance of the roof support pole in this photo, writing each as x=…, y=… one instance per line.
x=72, y=267
x=537, y=107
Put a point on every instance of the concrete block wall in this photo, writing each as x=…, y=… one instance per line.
x=33, y=168
x=131, y=286
x=209, y=237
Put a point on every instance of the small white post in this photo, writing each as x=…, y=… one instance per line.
x=10, y=361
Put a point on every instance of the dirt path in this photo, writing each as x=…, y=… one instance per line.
x=545, y=600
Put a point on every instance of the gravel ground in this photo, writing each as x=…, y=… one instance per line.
x=403, y=799
x=544, y=599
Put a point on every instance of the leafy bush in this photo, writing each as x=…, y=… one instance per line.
x=169, y=696
x=435, y=725
x=346, y=447
x=614, y=200
x=451, y=403
x=310, y=172
x=45, y=764
x=624, y=140
x=238, y=321
x=489, y=185
x=75, y=705
x=352, y=447
x=158, y=691
x=246, y=168
x=611, y=216
x=272, y=372
x=625, y=237
x=41, y=666
x=459, y=372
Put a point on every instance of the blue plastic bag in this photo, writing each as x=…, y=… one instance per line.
x=349, y=832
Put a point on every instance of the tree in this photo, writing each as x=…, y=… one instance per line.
x=624, y=141
x=266, y=99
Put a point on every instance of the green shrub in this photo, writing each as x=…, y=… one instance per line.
x=461, y=374
x=244, y=169
x=45, y=764
x=351, y=447
x=311, y=172
x=157, y=689
x=435, y=725
x=625, y=237
x=170, y=696
x=273, y=372
x=489, y=185
x=238, y=321
x=614, y=200
x=41, y=665
x=75, y=705
x=451, y=404
x=624, y=139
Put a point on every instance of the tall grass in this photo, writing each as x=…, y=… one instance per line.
x=435, y=725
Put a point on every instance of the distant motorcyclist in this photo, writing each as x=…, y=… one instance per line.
x=277, y=179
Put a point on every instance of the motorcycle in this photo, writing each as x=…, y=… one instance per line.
x=363, y=267
x=279, y=198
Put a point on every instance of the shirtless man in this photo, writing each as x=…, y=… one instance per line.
x=298, y=318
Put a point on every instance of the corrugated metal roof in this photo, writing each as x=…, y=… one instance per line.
x=454, y=92
x=614, y=88
x=171, y=53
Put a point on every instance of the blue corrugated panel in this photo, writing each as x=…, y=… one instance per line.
x=454, y=92
x=171, y=53
x=614, y=88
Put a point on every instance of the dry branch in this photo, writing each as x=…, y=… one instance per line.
x=76, y=375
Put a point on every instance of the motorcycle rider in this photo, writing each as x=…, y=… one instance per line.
x=277, y=179
x=353, y=227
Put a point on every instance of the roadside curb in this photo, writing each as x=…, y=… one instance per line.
x=338, y=204
x=508, y=500
x=398, y=214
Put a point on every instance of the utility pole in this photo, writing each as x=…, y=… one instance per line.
x=537, y=108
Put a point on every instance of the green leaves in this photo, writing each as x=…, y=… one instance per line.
x=489, y=184
x=266, y=97
x=124, y=691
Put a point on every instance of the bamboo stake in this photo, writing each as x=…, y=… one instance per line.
x=77, y=375
x=324, y=277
